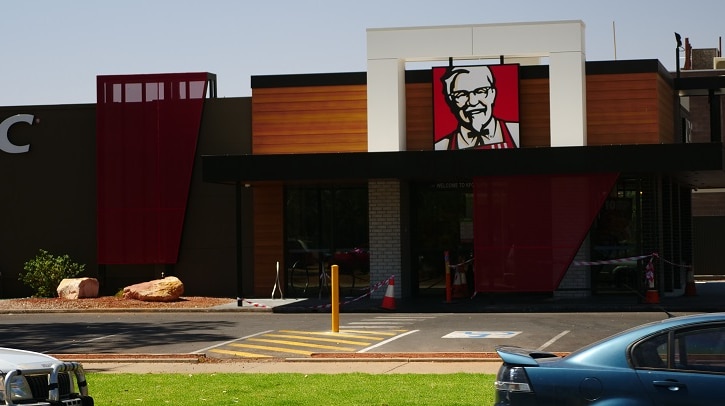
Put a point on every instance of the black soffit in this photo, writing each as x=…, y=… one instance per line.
x=697, y=165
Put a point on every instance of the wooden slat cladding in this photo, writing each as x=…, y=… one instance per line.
x=534, y=113
x=666, y=110
x=315, y=119
x=623, y=109
x=419, y=116
x=268, y=209
x=626, y=108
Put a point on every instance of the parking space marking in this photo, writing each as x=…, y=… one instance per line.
x=75, y=344
x=553, y=340
x=388, y=340
x=387, y=322
x=481, y=334
x=368, y=333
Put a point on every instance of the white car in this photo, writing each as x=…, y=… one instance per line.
x=32, y=379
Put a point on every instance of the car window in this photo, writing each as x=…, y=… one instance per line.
x=700, y=350
x=651, y=353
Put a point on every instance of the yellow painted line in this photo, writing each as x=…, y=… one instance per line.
x=363, y=334
x=299, y=344
x=275, y=349
x=328, y=340
x=240, y=353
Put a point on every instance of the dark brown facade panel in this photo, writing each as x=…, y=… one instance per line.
x=208, y=249
x=49, y=192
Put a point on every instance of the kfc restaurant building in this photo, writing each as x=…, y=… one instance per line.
x=532, y=169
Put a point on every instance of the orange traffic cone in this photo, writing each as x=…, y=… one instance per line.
x=460, y=286
x=389, y=299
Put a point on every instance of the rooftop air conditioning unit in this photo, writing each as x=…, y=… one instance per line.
x=718, y=63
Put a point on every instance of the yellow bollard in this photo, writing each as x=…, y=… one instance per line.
x=335, y=298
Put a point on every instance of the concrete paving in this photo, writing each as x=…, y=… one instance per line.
x=709, y=296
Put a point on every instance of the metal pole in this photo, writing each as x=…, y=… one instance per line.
x=335, y=298
x=238, y=234
x=448, y=278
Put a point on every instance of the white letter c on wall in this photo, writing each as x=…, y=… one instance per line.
x=5, y=144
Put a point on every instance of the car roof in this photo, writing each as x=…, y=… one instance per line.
x=613, y=348
x=610, y=351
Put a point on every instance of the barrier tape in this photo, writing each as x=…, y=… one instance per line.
x=612, y=261
x=386, y=281
x=461, y=264
x=370, y=291
x=670, y=262
x=629, y=259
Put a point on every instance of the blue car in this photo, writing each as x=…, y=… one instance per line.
x=676, y=361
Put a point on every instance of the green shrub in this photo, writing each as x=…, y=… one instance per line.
x=45, y=272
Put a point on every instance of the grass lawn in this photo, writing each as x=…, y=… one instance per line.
x=291, y=389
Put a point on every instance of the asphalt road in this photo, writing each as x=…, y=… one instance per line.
x=260, y=335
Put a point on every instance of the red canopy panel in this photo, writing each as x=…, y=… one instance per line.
x=146, y=133
x=527, y=229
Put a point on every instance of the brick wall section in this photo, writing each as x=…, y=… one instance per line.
x=577, y=280
x=385, y=237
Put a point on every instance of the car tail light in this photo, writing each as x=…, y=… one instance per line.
x=512, y=379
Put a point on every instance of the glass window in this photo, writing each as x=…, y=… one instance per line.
x=326, y=226
x=133, y=92
x=700, y=350
x=651, y=353
x=441, y=221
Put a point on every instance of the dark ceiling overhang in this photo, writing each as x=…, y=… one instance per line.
x=699, y=166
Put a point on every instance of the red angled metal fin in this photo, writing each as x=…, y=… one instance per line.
x=529, y=228
x=147, y=128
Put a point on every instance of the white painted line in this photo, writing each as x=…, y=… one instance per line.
x=375, y=326
x=387, y=341
x=80, y=342
x=381, y=322
x=481, y=334
x=231, y=341
x=553, y=340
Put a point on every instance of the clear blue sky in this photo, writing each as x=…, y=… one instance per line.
x=52, y=50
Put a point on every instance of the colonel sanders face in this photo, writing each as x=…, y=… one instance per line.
x=470, y=93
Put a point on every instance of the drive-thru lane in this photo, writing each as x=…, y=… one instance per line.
x=220, y=334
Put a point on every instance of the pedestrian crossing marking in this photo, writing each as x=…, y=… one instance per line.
x=275, y=349
x=377, y=333
x=304, y=343
x=328, y=340
x=300, y=344
x=239, y=353
x=362, y=334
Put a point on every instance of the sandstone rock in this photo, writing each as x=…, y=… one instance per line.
x=159, y=290
x=78, y=288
